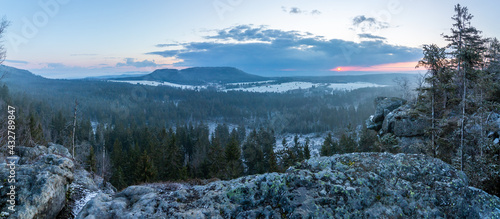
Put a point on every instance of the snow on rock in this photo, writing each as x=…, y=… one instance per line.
x=84, y=187
x=79, y=204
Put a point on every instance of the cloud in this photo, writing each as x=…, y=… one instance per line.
x=315, y=12
x=260, y=33
x=56, y=65
x=370, y=36
x=16, y=61
x=83, y=54
x=166, y=45
x=296, y=10
x=365, y=24
x=131, y=62
x=60, y=70
x=263, y=51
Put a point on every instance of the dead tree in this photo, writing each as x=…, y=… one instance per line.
x=74, y=127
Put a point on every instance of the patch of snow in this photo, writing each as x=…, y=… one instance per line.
x=79, y=204
x=371, y=117
x=94, y=125
x=353, y=86
x=315, y=141
x=213, y=125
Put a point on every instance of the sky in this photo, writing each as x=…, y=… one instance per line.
x=77, y=39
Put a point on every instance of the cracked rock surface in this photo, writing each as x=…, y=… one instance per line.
x=357, y=185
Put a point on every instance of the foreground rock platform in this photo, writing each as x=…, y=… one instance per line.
x=357, y=185
x=42, y=179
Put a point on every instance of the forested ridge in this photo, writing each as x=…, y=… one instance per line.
x=153, y=124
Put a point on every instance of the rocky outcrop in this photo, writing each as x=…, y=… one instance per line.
x=383, y=106
x=42, y=179
x=393, y=115
x=493, y=122
x=358, y=185
x=404, y=122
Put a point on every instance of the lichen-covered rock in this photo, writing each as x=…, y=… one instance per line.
x=358, y=185
x=383, y=106
x=59, y=150
x=42, y=181
x=403, y=122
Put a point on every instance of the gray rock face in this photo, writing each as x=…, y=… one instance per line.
x=383, y=106
x=358, y=185
x=59, y=150
x=494, y=126
x=403, y=123
x=41, y=182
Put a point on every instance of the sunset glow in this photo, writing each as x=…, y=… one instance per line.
x=389, y=67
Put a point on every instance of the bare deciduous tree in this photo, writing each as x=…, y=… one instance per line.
x=3, y=25
x=404, y=86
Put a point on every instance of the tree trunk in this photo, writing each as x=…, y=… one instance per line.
x=74, y=127
x=433, y=123
x=463, y=124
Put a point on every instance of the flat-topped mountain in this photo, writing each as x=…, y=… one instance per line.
x=199, y=76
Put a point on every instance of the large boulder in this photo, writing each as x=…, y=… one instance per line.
x=404, y=122
x=383, y=106
x=42, y=181
x=358, y=185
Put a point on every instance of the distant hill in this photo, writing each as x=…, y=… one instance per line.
x=113, y=77
x=199, y=76
x=16, y=76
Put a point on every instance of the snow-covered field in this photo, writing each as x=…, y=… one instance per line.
x=155, y=83
x=255, y=82
x=284, y=87
x=353, y=86
x=278, y=88
x=264, y=87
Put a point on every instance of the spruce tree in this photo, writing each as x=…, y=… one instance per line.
x=307, y=151
x=234, y=166
x=145, y=170
x=436, y=62
x=216, y=159
x=329, y=146
x=91, y=161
